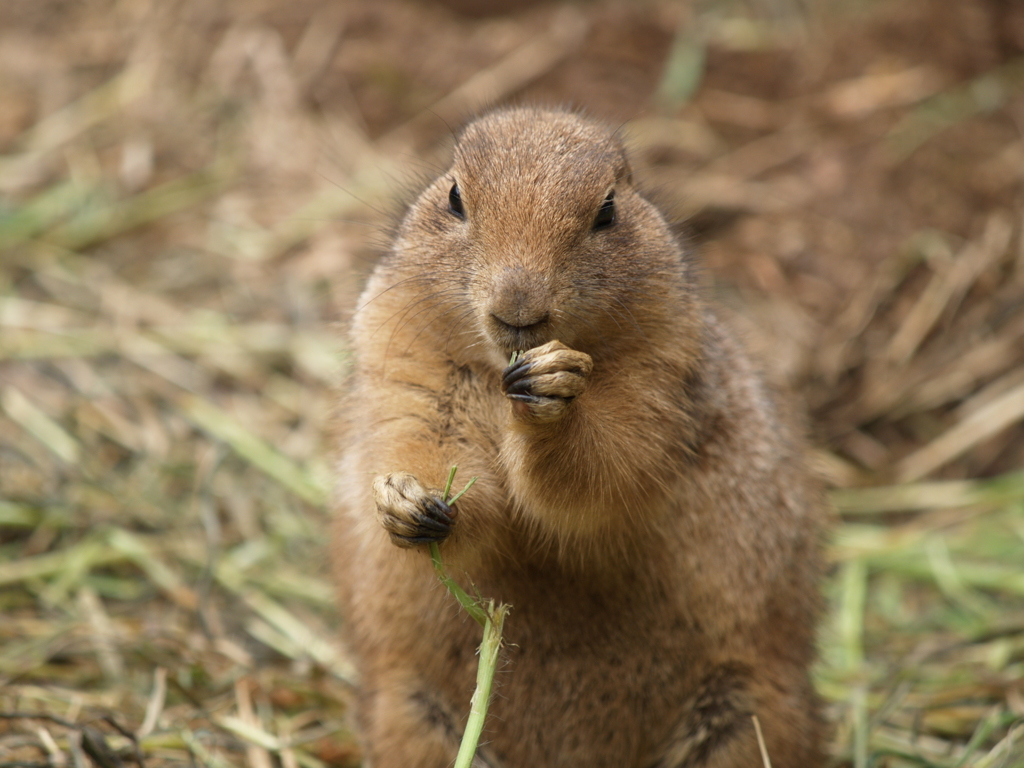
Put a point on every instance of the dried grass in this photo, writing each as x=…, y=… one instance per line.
x=184, y=200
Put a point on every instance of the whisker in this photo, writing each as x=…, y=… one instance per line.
x=417, y=299
x=439, y=295
x=611, y=317
x=352, y=194
x=403, y=321
x=414, y=278
x=427, y=325
x=632, y=319
x=455, y=324
x=368, y=302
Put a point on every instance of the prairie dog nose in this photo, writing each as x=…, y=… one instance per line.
x=520, y=300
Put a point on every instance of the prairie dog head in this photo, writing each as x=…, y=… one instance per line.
x=539, y=229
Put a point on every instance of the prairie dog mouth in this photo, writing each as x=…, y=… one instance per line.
x=510, y=338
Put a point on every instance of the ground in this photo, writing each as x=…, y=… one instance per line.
x=192, y=191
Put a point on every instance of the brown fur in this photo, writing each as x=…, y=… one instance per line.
x=641, y=503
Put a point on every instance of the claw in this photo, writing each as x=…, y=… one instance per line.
x=439, y=512
x=519, y=387
x=513, y=372
x=425, y=521
x=529, y=399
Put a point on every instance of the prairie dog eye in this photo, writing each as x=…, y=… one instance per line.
x=606, y=213
x=455, y=202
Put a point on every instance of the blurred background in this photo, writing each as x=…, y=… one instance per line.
x=191, y=192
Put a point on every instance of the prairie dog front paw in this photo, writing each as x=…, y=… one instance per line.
x=543, y=381
x=410, y=513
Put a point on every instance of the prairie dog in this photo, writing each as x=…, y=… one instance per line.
x=642, y=504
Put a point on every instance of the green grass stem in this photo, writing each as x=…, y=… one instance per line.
x=490, y=649
x=492, y=620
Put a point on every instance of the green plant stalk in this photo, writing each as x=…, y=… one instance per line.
x=471, y=605
x=490, y=648
x=492, y=620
